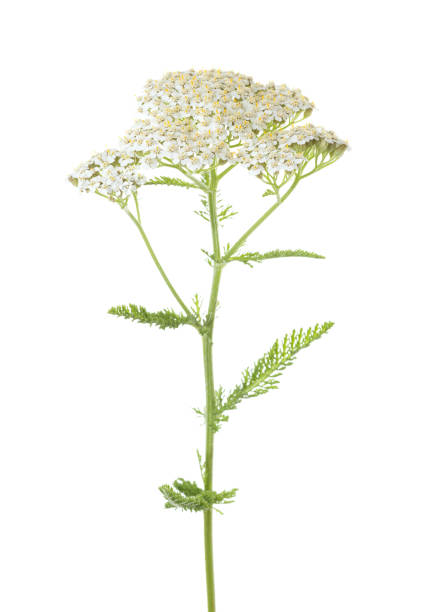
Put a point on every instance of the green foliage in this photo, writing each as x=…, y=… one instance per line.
x=264, y=374
x=223, y=212
x=187, y=495
x=196, y=307
x=250, y=258
x=202, y=465
x=162, y=318
x=168, y=180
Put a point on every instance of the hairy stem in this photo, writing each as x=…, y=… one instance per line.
x=158, y=265
x=210, y=394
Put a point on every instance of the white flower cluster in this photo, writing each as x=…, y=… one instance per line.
x=285, y=150
x=302, y=134
x=269, y=153
x=193, y=117
x=232, y=100
x=113, y=173
x=180, y=141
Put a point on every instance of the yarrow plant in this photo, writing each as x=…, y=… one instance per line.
x=202, y=125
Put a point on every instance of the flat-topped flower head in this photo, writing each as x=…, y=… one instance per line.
x=113, y=173
x=230, y=99
x=195, y=118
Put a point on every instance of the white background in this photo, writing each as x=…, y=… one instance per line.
x=334, y=469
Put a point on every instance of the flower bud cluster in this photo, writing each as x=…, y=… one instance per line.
x=312, y=141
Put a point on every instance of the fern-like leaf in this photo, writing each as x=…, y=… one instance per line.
x=264, y=374
x=170, y=181
x=187, y=495
x=223, y=212
x=250, y=258
x=162, y=318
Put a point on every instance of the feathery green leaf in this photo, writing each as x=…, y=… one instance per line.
x=223, y=212
x=168, y=180
x=264, y=374
x=187, y=495
x=247, y=258
x=162, y=318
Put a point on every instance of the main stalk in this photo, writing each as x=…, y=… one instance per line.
x=210, y=392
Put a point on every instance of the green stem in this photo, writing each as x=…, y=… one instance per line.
x=319, y=167
x=158, y=266
x=210, y=393
x=267, y=214
x=222, y=174
x=208, y=480
x=137, y=207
